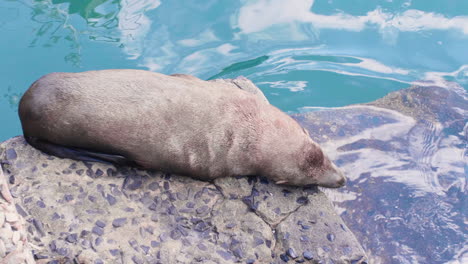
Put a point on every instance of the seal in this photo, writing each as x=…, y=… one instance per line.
x=178, y=124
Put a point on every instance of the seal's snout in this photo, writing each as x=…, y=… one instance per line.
x=341, y=182
x=333, y=179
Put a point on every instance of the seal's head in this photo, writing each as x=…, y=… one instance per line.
x=304, y=164
x=319, y=169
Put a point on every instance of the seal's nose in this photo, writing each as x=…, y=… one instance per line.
x=341, y=182
x=334, y=178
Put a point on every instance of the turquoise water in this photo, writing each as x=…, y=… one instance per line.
x=301, y=53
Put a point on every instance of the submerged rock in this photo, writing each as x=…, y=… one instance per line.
x=405, y=159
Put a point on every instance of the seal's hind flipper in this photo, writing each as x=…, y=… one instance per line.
x=77, y=153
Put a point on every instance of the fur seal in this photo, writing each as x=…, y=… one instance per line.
x=178, y=124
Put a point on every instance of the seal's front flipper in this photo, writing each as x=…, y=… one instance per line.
x=77, y=153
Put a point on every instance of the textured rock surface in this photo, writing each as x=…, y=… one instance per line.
x=14, y=246
x=97, y=213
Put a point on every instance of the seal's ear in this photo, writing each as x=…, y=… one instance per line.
x=305, y=131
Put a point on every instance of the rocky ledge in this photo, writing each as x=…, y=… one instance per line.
x=97, y=213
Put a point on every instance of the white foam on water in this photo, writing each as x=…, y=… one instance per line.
x=461, y=257
x=319, y=67
x=365, y=67
x=293, y=86
x=203, y=38
x=202, y=60
x=376, y=66
x=151, y=64
x=256, y=16
x=460, y=74
x=282, y=61
x=226, y=49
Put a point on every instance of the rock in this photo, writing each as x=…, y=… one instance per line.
x=10, y=154
x=248, y=229
x=14, y=247
x=274, y=203
x=12, y=217
x=2, y=249
x=308, y=255
x=194, y=219
x=292, y=235
x=118, y=222
x=233, y=188
x=292, y=253
x=2, y=218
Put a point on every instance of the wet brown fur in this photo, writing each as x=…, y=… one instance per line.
x=178, y=124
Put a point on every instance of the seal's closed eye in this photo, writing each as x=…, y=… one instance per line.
x=315, y=157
